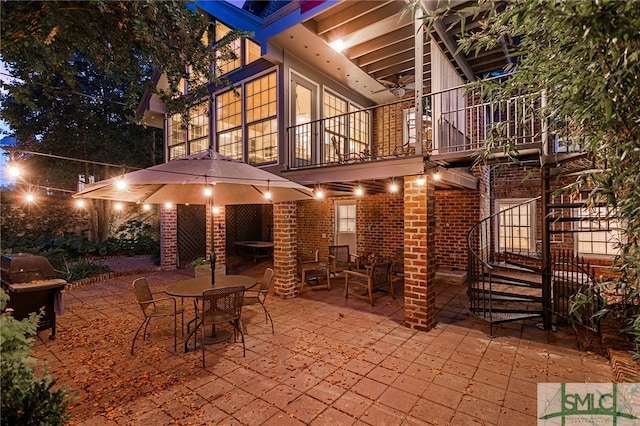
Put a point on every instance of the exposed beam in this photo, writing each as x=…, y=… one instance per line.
x=450, y=44
x=390, y=62
x=385, y=52
x=353, y=12
x=402, y=33
x=370, y=26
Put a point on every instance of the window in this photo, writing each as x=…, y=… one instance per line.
x=198, y=130
x=232, y=59
x=351, y=131
x=261, y=117
x=253, y=129
x=229, y=124
x=177, y=135
x=347, y=218
x=515, y=226
x=597, y=234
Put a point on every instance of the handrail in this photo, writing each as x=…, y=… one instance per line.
x=490, y=217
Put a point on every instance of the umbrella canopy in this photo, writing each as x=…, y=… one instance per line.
x=185, y=181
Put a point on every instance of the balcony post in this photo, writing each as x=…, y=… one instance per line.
x=419, y=55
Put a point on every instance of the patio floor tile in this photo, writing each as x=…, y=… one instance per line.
x=330, y=362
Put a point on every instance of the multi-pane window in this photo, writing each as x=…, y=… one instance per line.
x=192, y=138
x=346, y=134
x=252, y=51
x=177, y=137
x=346, y=218
x=597, y=234
x=229, y=123
x=225, y=65
x=198, y=130
x=261, y=117
x=515, y=226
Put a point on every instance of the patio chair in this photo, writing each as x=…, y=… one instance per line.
x=155, y=308
x=259, y=296
x=340, y=259
x=363, y=286
x=221, y=306
x=311, y=272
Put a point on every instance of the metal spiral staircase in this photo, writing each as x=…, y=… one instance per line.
x=511, y=278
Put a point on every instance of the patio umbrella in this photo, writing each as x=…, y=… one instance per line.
x=206, y=178
x=184, y=180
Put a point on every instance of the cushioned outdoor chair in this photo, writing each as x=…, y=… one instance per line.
x=155, y=308
x=259, y=296
x=222, y=306
x=365, y=285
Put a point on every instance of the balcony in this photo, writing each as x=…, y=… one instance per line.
x=456, y=124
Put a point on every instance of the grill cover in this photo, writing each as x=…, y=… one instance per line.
x=25, y=268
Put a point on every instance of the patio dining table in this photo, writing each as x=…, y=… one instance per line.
x=194, y=287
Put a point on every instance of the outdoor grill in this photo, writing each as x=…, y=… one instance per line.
x=32, y=283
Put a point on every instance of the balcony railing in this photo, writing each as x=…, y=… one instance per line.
x=454, y=121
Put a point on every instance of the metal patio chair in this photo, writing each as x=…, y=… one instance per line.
x=155, y=308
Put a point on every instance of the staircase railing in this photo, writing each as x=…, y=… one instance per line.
x=482, y=250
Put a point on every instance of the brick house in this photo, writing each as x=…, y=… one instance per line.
x=343, y=97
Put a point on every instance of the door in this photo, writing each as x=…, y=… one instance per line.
x=346, y=225
x=304, y=112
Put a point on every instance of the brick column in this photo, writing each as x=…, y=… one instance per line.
x=285, y=249
x=168, y=237
x=219, y=236
x=419, y=254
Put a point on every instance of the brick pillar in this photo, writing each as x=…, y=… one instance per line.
x=168, y=237
x=285, y=249
x=419, y=254
x=220, y=236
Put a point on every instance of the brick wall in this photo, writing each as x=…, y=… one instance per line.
x=168, y=236
x=456, y=212
x=284, y=249
x=419, y=254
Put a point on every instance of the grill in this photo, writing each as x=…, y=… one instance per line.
x=32, y=283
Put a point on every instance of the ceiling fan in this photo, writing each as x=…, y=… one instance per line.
x=398, y=84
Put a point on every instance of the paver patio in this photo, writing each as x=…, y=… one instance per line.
x=330, y=361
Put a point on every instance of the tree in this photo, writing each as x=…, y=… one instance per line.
x=585, y=56
x=79, y=70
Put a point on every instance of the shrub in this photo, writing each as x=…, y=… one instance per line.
x=27, y=399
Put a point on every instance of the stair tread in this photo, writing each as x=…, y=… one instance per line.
x=506, y=316
x=502, y=295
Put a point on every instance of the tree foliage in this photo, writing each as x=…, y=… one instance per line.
x=78, y=73
x=585, y=56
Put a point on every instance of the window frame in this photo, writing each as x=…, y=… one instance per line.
x=530, y=226
x=602, y=223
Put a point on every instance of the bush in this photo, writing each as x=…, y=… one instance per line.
x=26, y=398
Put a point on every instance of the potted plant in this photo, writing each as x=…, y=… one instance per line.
x=201, y=267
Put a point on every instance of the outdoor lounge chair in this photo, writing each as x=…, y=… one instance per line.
x=340, y=259
x=363, y=286
x=155, y=308
x=221, y=306
x=259, y=296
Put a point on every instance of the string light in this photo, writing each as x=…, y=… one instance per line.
x=168, y=205
x=30, y=198
x=393, y=187
x=118, y=207
x=359, y=191
x=267, y=194
x=421, y=180
x=14, y=171
x=121, y=184
x=208, y=192
x=146, y=207
x=215, y=210
x=80, y=204
x=437, y=175
x=319, y=193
